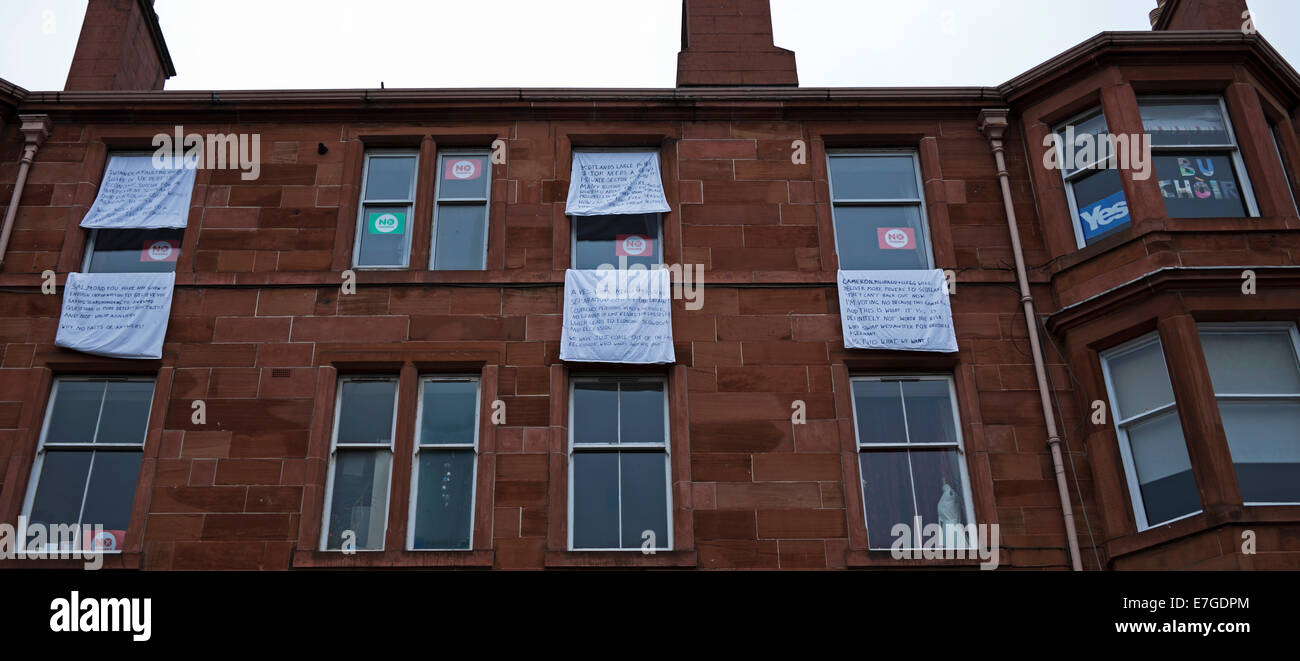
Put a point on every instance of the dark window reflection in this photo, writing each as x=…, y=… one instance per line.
x=135, y=251
x=609, y=239
x=445, y=495
x=1199, y=185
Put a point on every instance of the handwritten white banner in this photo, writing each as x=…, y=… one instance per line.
x=136, y=195
x=613, y=316
x=120, y=315
x=906, y=310
x=604, y=183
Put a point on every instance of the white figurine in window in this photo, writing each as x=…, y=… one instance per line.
x=950, y=517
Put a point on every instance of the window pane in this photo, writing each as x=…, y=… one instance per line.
x=384, y=232
x=880, y=238
x=641, y=409
x=460, y=236
x=890, y=177
x=445, y=496
x=1264, y=438
x=929, y=412
x=1251, y=362
x=595, y=500
x=879, y=408
x=1076, y=154
x=366, y=412
x=126, y=412
x=887, y=495
x=1140, y=381
x=1199, y=185
x=606, y=239
x=61, y=487
x=1184, y=124
x=135, y=251
x=595, y=412
x=113, y=478
x=76, y=411
x=464, y=177
x=645, y=494
x=940, y=495
x=1101, y=204
x=1164, y=471
x=448, y=413
x=389, y=178
x=1286, y=167
x=360, y=499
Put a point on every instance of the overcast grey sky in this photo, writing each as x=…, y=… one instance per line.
x=252, y=44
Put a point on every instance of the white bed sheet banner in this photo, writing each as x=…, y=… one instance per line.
x=120, y=315
x=136, y=195
x=613, y=316
x=615, y=183
x=906, y=310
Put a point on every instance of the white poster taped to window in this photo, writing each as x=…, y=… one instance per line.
x=617, y=316
x=906, y=310
x=605, y=183
x=119, y=315
x=137, y=194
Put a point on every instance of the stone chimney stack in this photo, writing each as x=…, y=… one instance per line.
x=729, y=43
x=121, y=48
x=1199, y=15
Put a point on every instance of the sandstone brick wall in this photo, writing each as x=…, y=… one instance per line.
x=259, y=329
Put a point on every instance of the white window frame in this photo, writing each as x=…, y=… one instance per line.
x=1121, y=427
x=665, y=447
x=363, y=202
x=38, y=464
x=485, y=201
x=918, y=201
x=1231, y=149
x=1081, y=171
x=377, y=447
x=1248, y=328
x=415, y=458
x=958, y=445
x=1275, y=131
x=659, y=217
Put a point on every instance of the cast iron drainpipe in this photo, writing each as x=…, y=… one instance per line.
x=993, y=124
x=35, y=128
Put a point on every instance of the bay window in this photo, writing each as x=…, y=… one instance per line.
x=1092, y=184
x=1197, y=161
x=1255, y=372
x=1156, y=463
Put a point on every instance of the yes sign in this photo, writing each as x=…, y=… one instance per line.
x=1104, y=215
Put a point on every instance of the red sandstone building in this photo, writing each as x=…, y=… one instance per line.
x=1162, y=429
